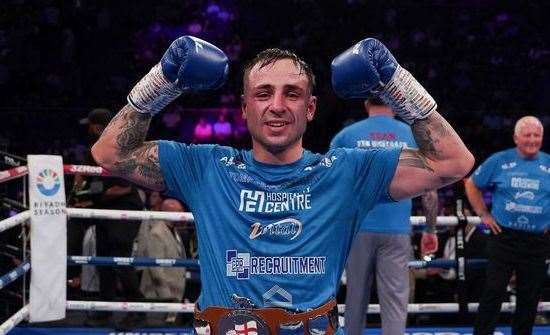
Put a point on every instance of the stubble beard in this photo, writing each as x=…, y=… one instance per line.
x=276, y=148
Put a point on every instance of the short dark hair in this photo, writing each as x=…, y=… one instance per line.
x=270, y=56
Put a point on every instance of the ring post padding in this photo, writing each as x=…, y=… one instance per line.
x=48, y=287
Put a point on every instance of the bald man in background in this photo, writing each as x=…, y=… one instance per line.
x=519, y=180
x=163, y=241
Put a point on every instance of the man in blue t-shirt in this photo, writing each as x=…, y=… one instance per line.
x=383, y=245
x=519, y=180
x=275, y=223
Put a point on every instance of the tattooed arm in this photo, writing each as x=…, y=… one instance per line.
x=188, y=64
x=122, y=149
x=441, y=159
x=430, y=204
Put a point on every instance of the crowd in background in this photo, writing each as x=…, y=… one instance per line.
x=486, y=63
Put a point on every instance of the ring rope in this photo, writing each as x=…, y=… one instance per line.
x=79, y=305
x=12, y=204
x=13, y=173
x=87, y=170
x=446, y=263
x=15, y=220
x=191, y=263
x=189, y=307
x=14, y=320
x=114, y=214
x=132, y=261
x=11, y=159
x=14, y=274
x=506, y=307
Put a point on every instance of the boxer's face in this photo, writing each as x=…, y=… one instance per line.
x=277, y=104
x=528, y=139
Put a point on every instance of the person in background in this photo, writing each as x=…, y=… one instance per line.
x=383, y=246
x=519, y=179
x=203, y=132
x=223, y=129
x=114, y=238
x=163, y=241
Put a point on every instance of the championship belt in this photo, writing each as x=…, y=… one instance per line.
x=266, y=321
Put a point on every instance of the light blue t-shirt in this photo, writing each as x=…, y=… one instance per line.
x=520, y=188
x=380, y=132
x=278, y=235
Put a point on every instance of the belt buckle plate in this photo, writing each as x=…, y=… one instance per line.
x=242, y=322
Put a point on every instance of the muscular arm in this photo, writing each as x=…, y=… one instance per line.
x=122, y=149
x=441, y=159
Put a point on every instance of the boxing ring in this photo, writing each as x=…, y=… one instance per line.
x=24, y=219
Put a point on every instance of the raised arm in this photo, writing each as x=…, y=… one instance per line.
x=441, y=159
x=189, y=64
x=369, y=69
x=121, y=149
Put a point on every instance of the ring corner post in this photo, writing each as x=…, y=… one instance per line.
x=47, y=204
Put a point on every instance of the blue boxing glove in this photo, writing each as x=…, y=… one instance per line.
x=189, y=65
x=368, y=69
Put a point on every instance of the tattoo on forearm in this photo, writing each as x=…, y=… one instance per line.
x=137, y=160
x=429, y=133
x=413, y=158
x=430, y=205
x=133, y=130
x=143, y=163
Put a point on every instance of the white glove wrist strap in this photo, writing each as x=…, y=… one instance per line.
x=153, y=92
x=407, y=97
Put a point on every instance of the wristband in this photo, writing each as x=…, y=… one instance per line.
x=153, y=92
x=408, y=99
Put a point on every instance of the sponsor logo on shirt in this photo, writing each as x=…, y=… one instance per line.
x=522, y=219
x=290, y=228
x=522, y=223
x=277, y=296
x=381, y=144
x=230, y=161
x=507, y=166
x=326, y=162
x=242, y=265
x=532, y=184
x=273, y=202
x=514, y=207
x=524, y=195
x=545, y=168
